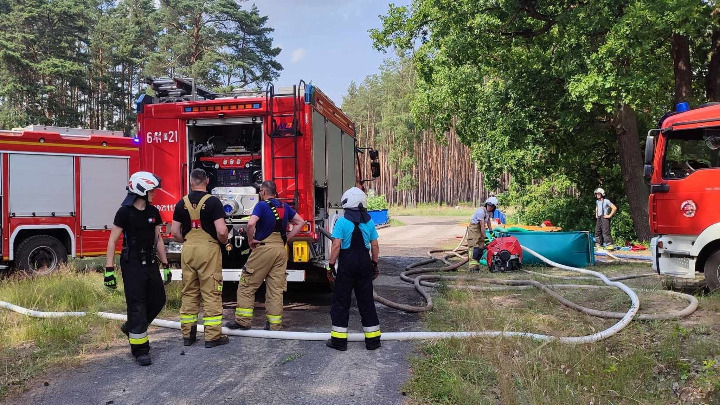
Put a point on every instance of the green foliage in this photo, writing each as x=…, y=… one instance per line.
x=377, y=202
x=538, y=89
x=83, y=62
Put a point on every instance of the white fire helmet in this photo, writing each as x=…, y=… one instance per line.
x=354, y=198
x=142, y=182
x=599, y=191
x=492, y=201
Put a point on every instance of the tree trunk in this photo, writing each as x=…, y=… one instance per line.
x=631, y=166
x=713, y=79
x=681, y=65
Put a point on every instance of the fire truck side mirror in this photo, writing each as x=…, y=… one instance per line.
x=374, y=154
x=649, y=150
x=648, y=171
x=375, y=169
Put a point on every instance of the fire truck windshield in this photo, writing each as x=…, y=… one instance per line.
x=688, y=152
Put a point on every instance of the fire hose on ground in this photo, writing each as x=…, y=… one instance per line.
x=431, y=280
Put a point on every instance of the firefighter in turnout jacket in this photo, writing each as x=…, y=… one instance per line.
x=199, y=222
x=354, y=242
x=479, y=222
x=139, y=223
x=266, y=232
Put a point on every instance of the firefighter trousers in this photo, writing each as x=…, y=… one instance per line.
x=202, y=281
x=475, y=237
x=266, y=262
x=145, y=298
x=355, y=273
x=602, y=231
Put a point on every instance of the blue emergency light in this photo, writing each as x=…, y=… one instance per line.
x=682, y=107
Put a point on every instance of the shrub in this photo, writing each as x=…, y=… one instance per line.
x=377, y=202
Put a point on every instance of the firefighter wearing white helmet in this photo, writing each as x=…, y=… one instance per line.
x=604, y=210
x=355, y=251
x=479, y=223
x=139, y=223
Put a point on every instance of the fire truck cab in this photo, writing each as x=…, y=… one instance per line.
x=59, y=190
x=682, y=162
x=296, y=137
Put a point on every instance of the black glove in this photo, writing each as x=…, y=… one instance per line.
x=330, y=272
x=375, y=269
x=167, y=274
x=110, y=280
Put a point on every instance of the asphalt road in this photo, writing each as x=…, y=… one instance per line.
x=264, y=371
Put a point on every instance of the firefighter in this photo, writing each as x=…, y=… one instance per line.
x=355, y=251
x=139, y=223
x=199, y=223
x=479, y=222
x=604, y=210
x=267, y=233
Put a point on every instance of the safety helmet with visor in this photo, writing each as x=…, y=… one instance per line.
x=354, y=198
x=139, y=184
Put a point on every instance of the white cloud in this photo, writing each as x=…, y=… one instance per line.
x=297, y=55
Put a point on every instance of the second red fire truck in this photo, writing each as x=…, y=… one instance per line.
x=682, y=162
x=296, y=137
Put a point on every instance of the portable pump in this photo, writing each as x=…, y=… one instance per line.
x=504, y=254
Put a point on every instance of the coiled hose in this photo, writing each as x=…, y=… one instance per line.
x=430, y=280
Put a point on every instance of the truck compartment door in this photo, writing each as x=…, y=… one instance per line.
x=163, y=151
x=41, y=185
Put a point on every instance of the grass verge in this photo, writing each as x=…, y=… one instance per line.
x=29, y=346
x=649, y=362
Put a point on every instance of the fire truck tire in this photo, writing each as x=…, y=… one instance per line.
x=40, y=254
x=712, y=271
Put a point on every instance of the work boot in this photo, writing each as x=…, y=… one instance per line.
x=609, y=246
x=372, y=344
x=222, y=340
x=337, y=344
x=188, y=341
x=235, y=325
x=143, y=360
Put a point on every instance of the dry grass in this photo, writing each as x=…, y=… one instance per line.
x=649, y=362
x=29, y=346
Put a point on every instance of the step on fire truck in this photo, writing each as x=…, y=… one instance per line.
x=296, y=137
x=59, y=190
x=682, y=162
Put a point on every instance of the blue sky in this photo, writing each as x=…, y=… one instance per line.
x=326, y=41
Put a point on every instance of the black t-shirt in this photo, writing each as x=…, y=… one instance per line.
x=211, y=211
x=138, y=225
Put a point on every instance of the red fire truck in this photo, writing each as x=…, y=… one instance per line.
x=296, y=137
x=682, y=162
x=59, y=189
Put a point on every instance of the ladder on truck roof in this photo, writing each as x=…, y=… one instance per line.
x=279, y=134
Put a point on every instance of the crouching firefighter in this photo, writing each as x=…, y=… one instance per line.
x=479, y=223
x=139, y=223
x=354, y=242
x=199, y=222
x=267, y=234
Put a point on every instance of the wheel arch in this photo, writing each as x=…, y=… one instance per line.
x=62, y=232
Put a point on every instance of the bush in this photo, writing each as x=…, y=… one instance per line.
x=377, y=202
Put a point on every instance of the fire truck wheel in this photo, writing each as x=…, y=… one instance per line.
x=712, y=271
x=40, y=254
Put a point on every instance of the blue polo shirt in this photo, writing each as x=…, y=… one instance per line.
x=266, y=224
x=344, y=228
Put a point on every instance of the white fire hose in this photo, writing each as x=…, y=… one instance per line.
x=625, y=318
